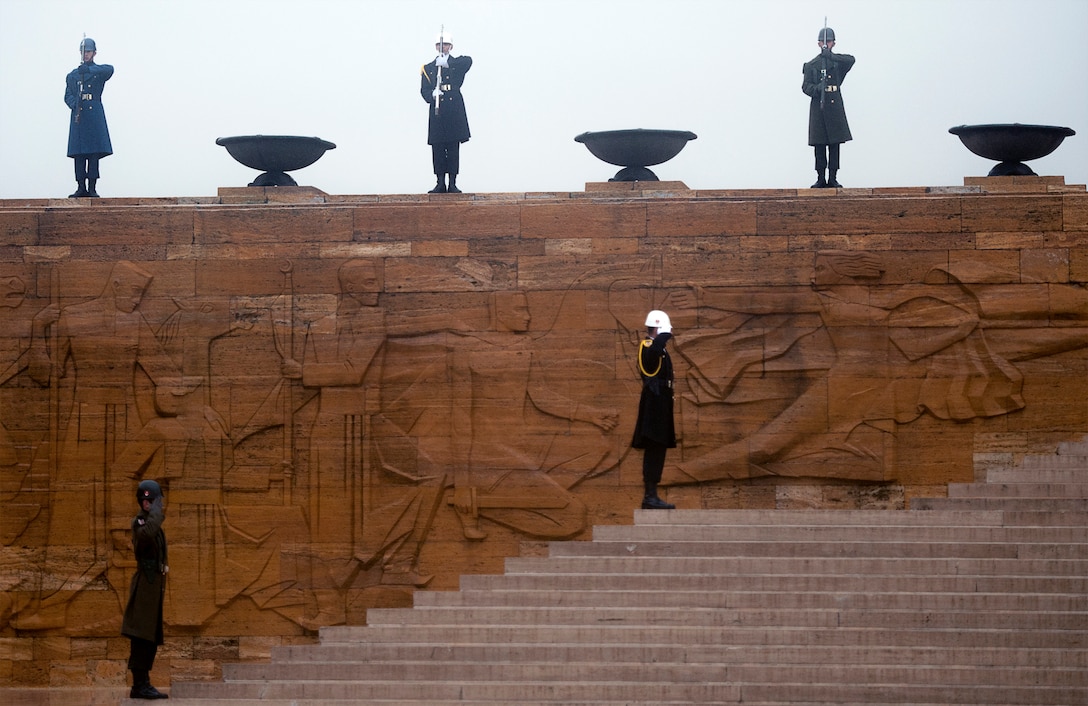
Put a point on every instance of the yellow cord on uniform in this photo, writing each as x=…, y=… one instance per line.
x=645, y=344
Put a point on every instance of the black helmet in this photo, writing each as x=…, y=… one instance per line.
x=148, y=490
x=826, y=35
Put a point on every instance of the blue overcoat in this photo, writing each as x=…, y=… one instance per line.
x=88, y=135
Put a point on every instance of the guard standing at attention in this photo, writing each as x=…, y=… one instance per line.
x=655, y=430
x=142, y=623
x=88, y=136
x=827, y=126
x=440, y=85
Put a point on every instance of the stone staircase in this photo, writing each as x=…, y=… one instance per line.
x=977, y=598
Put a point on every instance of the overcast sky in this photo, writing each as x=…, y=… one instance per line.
x=544, y=71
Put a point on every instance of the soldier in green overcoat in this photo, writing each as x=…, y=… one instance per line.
x=827, y=126
x=142, y=623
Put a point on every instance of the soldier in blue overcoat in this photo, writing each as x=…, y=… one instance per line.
x=827, y=126
x=440, y=85
x=88, y=136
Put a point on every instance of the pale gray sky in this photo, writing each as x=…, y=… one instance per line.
x=189, y=71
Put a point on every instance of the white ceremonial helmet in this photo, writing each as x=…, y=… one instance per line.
x=443, y=38
x=658, y=319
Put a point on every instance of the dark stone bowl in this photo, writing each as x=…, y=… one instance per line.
x=275, y=154
x=635, y=149
x=1011, y=144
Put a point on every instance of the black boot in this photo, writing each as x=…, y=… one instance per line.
x=832, y=181
x=453, y=185
x=141, y=687
x=821, y=183
x=90, y=188
x=81, y=190
x=440, y=187
x=651, y=502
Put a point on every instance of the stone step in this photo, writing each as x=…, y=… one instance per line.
x=814, y=549
x=1027, y=491
x=1050, y=474
x=772, y=583
x=1077, y=505
x=458, y=690
x=627, y=534
x=782, y=690
x=800, y=698
x=442, y=635
x=1072, y=658
x=817, y=518
x=1016, y=514
x=607, y=617
x=836, y=533
x=674, y=566
x=651, y=600
x=597, y=672
x=1071, y=461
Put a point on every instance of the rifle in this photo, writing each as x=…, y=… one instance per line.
x=438, y=75
x=79, y=98
x=823, y=58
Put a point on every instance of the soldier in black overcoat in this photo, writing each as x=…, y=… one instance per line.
x=827, y=126
x=88, y=135
x=142, y=623
x=440, y=85
x=655, y=430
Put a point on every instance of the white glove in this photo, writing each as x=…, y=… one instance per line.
x=436, y=93
x=442, y=60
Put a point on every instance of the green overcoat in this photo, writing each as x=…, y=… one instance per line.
x=143, y=614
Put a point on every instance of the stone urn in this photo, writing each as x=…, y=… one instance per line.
x=275, y=155
x=635, y=150
x=1011, y=144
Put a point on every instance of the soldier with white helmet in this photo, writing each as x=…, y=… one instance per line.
x=447, y=126
x=655, y=432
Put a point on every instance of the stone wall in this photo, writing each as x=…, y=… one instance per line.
x=348, y=399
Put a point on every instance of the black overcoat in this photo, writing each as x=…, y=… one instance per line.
x=451, y=122
x=827, y=124
x=655, y=425
x=143, y=614
x=88, y=135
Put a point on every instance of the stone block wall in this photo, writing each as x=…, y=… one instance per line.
x=348, y=399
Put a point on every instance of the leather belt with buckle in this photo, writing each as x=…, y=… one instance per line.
x=446, y=87
x=88, y=96
x=831, y=89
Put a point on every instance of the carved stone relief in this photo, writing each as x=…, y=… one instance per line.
x=314, y=435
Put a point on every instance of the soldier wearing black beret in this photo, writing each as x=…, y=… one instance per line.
x=440, y=85
x=88, y=135
x=827, y=126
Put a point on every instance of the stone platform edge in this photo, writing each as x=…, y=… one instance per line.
x=593, y=190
